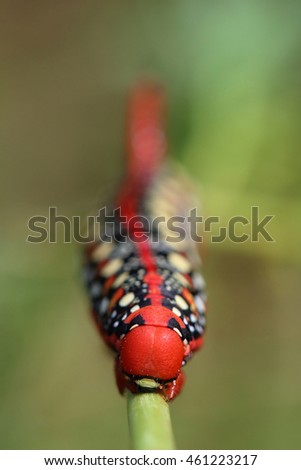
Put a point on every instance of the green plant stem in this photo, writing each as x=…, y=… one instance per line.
x=149, y=422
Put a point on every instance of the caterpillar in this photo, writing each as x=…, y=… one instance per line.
x=146, y=290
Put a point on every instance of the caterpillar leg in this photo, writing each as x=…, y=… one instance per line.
x=172, y=390
x=119, y=376
x=122, y=381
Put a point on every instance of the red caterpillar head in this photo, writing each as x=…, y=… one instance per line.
x=151, y=359
x=150, y=351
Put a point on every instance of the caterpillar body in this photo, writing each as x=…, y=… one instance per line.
x=146, y=291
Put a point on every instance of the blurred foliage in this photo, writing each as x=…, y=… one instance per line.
x=232, y=71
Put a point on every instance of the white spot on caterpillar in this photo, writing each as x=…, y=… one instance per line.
x=120, y=279
x=111, y=267
x=181, y=279
x=124, y=249
x=134, y=326
x=116, y=323
x=193, y=318
x=176, y=311
x=199, y=303
x=102, y=251
x=178, y=332
x=179, y=262
x=95, y=289
x=198, y=281
x=103, y=305
x=133, y=309
x=185, y=342
x=181, y=302
x=126, y=299
x=199, y=329
x=88, y=275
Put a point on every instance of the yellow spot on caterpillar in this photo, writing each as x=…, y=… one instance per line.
x=147, y=383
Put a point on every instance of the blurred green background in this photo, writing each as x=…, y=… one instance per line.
x=232, y=71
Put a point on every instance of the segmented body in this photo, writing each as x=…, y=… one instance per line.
x=144, y=276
